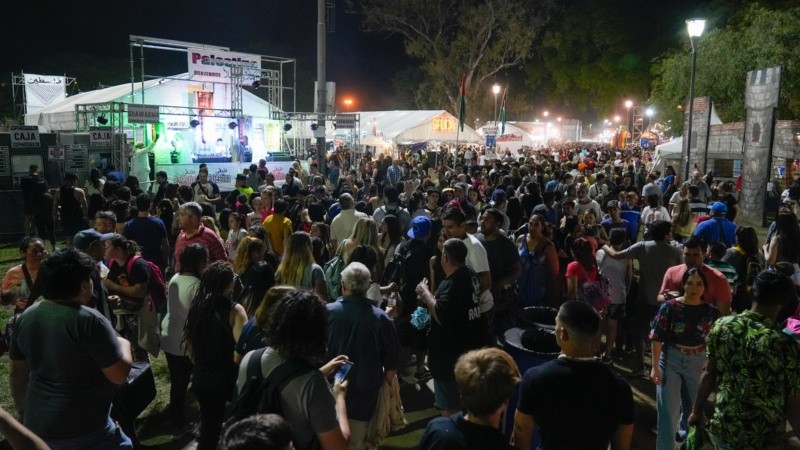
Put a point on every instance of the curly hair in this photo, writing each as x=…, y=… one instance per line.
x=246, y=247
x=215, y=281
x=299, y=326
x=63, y=272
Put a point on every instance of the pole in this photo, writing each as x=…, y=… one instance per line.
x=691, y=111
x=321, y=87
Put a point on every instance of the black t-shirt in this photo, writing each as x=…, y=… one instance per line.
x=456, y=433
x=502, y=255
x=140, y=273
x=577, y=404
x=462, y=326
x=413, y=256
x=730, y=202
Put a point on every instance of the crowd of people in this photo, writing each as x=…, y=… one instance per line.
x=409, y=268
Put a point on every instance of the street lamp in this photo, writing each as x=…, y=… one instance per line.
x=695, y=28
x=348, y=102
x=495, y=91
x=649, y=112
x=629, y=119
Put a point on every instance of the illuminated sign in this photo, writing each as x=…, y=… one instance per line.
x=143, y=114
x=444, y=123
x=215, y=65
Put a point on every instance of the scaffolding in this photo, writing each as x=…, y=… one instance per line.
x=19, y=95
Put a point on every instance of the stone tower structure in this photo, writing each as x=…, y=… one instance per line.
x=701, y=124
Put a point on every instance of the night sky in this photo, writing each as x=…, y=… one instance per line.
x=42, y=36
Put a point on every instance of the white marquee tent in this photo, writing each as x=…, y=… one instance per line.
x=405, y=127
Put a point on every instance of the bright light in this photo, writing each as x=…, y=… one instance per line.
x=546, y=113
x=695, y=27
x=559, y=119
x=649, y=112
x=616, y=119
x=348, y=101
x=496, y=89
x=628, y=104
x=605, y=121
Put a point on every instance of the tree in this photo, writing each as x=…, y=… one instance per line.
x=754, y=38
x=478, y=38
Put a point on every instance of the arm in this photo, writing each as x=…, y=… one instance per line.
x=655, y=372
x=771, y=251
x=165, y=250
x=612, y=253
x=117, y=373
x=321, y=289
x=524, y=425
x=337, y=438
x=572, y=287
x=428, y=300
x=56, y=200
x=138, y=290
x=628, y=276
x=18, y=380
x=708, y=384
x=17, y=435
x=622, y=437
x=513, y=274
x=486, y=281
x=238, y=319
x=80, y=196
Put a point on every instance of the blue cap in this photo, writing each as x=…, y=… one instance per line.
x=498, y=196
x=420, y=227
x=718, y=208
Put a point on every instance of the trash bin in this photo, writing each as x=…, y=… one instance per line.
x=538, y=316
x=530, y=347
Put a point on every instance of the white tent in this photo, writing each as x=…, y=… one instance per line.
x=513, y=138
x=402, y=127
x=171, y=91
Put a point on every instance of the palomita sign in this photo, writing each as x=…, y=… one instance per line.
x=214, y=65
x=24, y=137
x=142, y=113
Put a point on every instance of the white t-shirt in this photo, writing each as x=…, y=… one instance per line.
x=478, y=262
x=614, y=270
x=180, y=292
x=650, y=215
x=343, y=224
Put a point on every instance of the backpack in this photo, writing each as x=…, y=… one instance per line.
x=333, y=274
x=752, y=269
x=261, y=395
x=157, y=287
x=595, y=293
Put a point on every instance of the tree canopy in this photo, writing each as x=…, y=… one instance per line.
x=756, y=37
x=481, y=39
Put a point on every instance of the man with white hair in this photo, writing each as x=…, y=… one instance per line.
x=367, y=336
x=344, y=222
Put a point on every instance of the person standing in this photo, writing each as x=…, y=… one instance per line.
x=66, y=360
x=192, y=231
x=367, y=336
x=504, y=268
x=342, y=225
x=70, y=204
x=755, y=370
x=718, y=291
x=278, y=228
x=28, y=186
x=457, y=324
x=575, y=388
x=703, y=191
x=678, y=339
x=718, y=228
x=149, y=232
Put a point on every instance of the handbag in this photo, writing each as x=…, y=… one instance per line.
x=149, y=330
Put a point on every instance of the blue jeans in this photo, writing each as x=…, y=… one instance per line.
x=111, y=437
x=680, y=378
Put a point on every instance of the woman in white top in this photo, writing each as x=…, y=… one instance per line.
x=181, y=291
x=618, y=272
x=94, y=185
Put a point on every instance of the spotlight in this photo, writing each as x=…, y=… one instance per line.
x=333, y=126
x=314, y=126
x=101, y=120
x=194, y=123
x=233, y=125
x=287, y=126
x=256, y=84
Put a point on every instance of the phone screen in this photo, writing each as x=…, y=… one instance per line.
x=341, y=374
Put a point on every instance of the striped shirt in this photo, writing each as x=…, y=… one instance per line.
x=204, y=237
x=726, y=269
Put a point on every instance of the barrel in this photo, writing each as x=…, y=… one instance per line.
x=538, y=316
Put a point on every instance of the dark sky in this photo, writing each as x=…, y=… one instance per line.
x=361, y=65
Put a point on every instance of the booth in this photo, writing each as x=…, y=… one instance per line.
x=390, y=129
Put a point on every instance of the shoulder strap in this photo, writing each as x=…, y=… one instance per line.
x=129, y=265
x=254, y=364
x=33, y=287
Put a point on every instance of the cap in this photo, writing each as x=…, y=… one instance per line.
x=718, y=208
x=612, y=204
x=420, y=227
x=498, y=196
x=84, y=238
x=540, y=209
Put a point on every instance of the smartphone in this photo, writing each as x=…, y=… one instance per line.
x=341, y=374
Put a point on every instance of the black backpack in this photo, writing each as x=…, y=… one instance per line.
x=261, y=395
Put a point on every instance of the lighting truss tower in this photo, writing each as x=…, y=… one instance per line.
x=638, y=123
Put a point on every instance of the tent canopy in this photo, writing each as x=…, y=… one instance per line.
x=416, y=126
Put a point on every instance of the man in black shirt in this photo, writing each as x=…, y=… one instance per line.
x=574, y=389
x=27, y=185
x=504, y=267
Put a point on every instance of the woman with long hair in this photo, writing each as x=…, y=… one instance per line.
x=180, y=293
x=297, y=268
x=253, y=275
x=256, y=217
x=582, y=269
x=19, y=281
x=784, y=246
x=213, y=326
x=678, y=337
x=683, y=223
x=94, y=184
x=237, y=230
x=128, y=281
x=365, y=232
x=747, y=260
x=297, y=329
x=322, y=231
x=264, y=297
x=538, y=282
x=389, y=237
x=132, y=182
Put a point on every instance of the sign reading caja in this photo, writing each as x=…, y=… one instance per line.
x=24, y=137
x=142, y=113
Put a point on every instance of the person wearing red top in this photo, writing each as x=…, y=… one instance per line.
x=718, y=291
x=193, y=232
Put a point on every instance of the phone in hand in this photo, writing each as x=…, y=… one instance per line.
x=341, y=374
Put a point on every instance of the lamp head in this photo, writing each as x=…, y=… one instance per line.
x=628, y=103
x=695, y=27
x=194, y=123
x=496, y=89
x=233, y=125
x=102, y=120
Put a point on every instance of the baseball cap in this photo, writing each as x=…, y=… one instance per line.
x=718, y=208
x=540, y=209
x=84, y=238
x=420, y=227
x=498, y=196
x=612, y=204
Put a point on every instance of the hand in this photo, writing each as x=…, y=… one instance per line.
x=114, y=300
x=392, y=286
x=333, y=365
x=340, y=388
x=655, y=375
x=422, y=287
x=696, y=419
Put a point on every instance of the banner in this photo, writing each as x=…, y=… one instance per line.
x=24, y=137
x=43, y=90
x=444, y=123
x=55, y=153
x=509, y=137
x=346, y=121
x=142, y=113
x=224, y=174
x=100, y=137
x=76, y=157
x=215, y=65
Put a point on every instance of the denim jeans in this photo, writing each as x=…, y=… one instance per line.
x=110, y=437
x=680, y=378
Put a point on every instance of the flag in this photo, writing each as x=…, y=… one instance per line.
x=503, y=113
x=462, y=114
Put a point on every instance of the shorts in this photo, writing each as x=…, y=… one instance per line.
x=644, y=318
x=616, y=311
x=446, y=396
x=70, y=226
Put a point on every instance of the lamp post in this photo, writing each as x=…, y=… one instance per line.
x=629, y=119
x=546, y=124
x=495, y=91
x=695, y=28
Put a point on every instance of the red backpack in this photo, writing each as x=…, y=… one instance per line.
x=156, y=287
